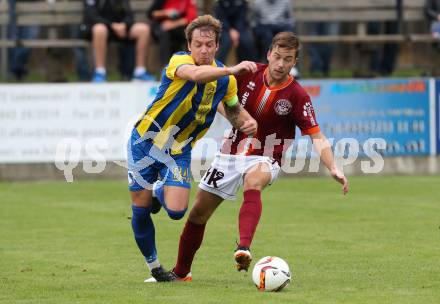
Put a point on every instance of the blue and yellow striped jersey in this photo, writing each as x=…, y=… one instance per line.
x=188, y=105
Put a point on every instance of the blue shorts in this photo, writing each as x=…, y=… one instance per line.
x=147, y=164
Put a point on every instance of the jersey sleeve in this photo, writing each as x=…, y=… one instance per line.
x=176, y=61
x=231, y=91
x=304, y=117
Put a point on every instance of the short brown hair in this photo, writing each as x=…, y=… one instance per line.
x=286, y=40
x=205, y=22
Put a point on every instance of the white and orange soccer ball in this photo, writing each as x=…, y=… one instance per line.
x=271, y=274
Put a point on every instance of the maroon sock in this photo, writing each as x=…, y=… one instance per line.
x=190, y=241
x=249, y=216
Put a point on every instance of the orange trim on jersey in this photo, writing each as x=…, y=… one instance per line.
x=277, y=87
x=312, y=130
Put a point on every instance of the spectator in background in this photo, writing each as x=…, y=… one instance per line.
x=236, y=29
x=113, y=20
x=269, y=17
x=168, y=19
x=383, y=57
x=80, y=55
x=320, y=54
x=19, y=56
x=432, y=10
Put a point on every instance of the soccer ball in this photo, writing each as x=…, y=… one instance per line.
x=271, y=274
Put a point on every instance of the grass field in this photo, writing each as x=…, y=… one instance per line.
x=72, y=243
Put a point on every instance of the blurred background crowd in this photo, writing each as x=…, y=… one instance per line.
x=111, y=41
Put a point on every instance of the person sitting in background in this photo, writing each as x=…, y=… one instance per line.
x=236, y=32
x=320, y=54
x=19, y=56
x=168, y=21
x=106, y=20
x=270, y=17
x=432, y=11
x=383, y=57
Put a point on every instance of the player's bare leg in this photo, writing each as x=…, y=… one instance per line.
x=141, y=198
x=254, y=182
x=176, y=201
x=257, y=178
x=192, y=235
x=204, y=206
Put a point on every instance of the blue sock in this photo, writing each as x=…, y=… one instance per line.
x=176, y=215
x=159, y=193
x=144, y=233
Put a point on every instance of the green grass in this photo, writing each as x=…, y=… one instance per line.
x=72, y=243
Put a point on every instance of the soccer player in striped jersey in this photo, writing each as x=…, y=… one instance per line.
x=193, y=84
x=278, y=103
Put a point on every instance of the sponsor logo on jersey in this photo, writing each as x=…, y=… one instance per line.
x=283, y=107
x=308, y=112
x=251, y=85
x=244, y=98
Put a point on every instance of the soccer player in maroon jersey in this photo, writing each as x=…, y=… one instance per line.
x=278, y=103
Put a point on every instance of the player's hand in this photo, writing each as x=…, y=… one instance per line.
x=340, y=178
x=120, y=29
x=243, y=67
x=249, y=127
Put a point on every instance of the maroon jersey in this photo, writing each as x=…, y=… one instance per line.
x=277, y=110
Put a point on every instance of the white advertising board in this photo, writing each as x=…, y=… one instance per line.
x=35, y=118
x=95, y=119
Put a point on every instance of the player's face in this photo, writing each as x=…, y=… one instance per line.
x=281, y=61
x=203, y=46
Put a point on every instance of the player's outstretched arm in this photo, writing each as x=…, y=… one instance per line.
x=324, y=150
x=208, y=73
x=239, y=118
x=243, y=68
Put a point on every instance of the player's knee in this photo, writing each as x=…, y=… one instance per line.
x=252, y=184
x=176, y=215
x=140, y=198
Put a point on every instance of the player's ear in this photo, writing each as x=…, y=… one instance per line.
x=189, y=46
x=268, y=55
